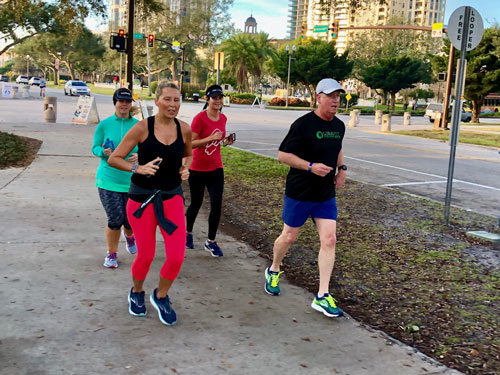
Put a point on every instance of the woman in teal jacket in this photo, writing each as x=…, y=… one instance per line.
x=113, y=184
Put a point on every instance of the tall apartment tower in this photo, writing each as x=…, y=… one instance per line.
x=118, y=14
x=323, y=12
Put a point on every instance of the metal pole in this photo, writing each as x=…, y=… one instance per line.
x=149, y=69
x=288, y=79
x=120, y=72
x=456, y=114
x=182, y=71
x=130, y=44
x=218, y=67
x=451, y=59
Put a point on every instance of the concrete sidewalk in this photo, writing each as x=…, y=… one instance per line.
x=64, y=313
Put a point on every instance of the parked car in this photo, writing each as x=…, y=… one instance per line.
x=76, y=88
x=34, y=81
x=434, y=108
x=4, y=78
x=22, y=79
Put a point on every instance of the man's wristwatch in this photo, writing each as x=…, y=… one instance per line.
x=342, y=167
x=134, y=167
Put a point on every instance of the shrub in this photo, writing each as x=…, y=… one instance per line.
x=292, y=102
x=12, y=149
x=154, y=85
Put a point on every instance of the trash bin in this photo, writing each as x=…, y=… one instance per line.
x=196, y=97
x=50, y=108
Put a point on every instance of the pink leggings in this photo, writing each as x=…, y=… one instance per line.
x=145, y=237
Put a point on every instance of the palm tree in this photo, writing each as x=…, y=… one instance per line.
x=246, y=53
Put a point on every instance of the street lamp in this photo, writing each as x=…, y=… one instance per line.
x=289, y=62
x=28, y=65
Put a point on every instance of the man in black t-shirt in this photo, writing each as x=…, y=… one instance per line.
x=313, y=150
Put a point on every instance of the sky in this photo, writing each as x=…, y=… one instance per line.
x=271, y=15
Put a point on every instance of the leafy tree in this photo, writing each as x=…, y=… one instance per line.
x=394, y=74
x=313, y=61
x=483, y=70
x=245, y=55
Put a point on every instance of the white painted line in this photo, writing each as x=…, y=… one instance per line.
x=258, y=143
x=416, y=183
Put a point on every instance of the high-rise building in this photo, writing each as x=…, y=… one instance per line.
x=324, y=12
x=118, y=14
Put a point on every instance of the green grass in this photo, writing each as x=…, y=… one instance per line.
x=12, y=149
x=476, y=137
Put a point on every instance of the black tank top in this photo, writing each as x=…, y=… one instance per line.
x=167, y=177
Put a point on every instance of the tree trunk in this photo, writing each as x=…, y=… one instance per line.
x=393, y=101
x=312, y=97
x=476, y=109
x=173, y=69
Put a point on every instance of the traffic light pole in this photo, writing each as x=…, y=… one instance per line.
x=149, y=69
x=130, y=44
x=181, y=83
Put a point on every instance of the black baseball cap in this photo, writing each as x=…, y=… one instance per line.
x=122, y=94
x=214, y=91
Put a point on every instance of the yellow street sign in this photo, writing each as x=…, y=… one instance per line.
x=219, y=60
x=348, y=97
x=437, y=30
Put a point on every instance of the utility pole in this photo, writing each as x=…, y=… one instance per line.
x=289, y=63
x=182, y=70
x=130, y=44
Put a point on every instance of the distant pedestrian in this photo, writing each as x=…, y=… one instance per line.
x=43, y=85
x=113, y=185
x=155, y=197
x=115, y=80
x=209, y=132
x=414, y=104
x=313, y=150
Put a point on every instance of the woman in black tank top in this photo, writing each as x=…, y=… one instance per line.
x=164, y=158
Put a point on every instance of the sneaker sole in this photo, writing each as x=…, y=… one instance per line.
x=130, y=310
x=110, y=266
x=159, y=313
x=322, y=310
x=210, y=251
x=265, y=285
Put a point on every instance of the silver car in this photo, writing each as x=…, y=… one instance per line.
x=434, y=108
x=76, y=88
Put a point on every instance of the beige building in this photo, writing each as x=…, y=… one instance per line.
x=323, y=12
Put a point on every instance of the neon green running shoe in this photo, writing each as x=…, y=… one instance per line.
x=272, y=281
x=326, y=305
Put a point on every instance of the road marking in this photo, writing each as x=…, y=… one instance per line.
x=416, y=183
x=422, y=173
x=258, y=143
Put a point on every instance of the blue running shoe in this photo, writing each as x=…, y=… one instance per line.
x=272, y=282
x=111, y=260
x=189, y=241
x=213, y=248
x=326, y=305
x=136, y=304
x=130, y=243
x=165, y=312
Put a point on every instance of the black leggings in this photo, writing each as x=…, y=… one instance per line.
x=214, y=181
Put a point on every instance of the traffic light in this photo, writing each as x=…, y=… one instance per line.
x=335, y=29
x=118, y=41
x=151, y=40
x=303, y=31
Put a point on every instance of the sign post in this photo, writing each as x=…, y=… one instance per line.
x=465, y=30
x=218, y=63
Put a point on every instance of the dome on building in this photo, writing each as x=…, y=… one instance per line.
x=250, y=20
x=251, y=25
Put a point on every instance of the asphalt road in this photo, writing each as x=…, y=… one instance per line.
x=409, y=164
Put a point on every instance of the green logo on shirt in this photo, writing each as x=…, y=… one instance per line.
x=327, y=135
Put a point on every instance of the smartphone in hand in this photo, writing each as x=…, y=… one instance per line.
x=232, y=137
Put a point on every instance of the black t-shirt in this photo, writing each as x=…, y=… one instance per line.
x=315, y=140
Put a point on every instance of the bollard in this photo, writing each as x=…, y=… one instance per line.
x=25, y=91
x=352, y=121
x=437, y=120
x=407, y=118
x=50, y=108
x=386, y=123
x=378, y=116
x=356, y=115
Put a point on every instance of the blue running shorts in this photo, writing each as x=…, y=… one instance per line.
x=295, y=213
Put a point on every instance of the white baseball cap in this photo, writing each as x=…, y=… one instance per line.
x=328, y=85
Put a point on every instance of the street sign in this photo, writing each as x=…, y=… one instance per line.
x=456, y=26
x=138, y=36
x=219, y=60
x=348, y=97
x=437, y=30
x=176, y=46
x=320, y=29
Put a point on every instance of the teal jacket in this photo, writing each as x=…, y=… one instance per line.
x=107, y=177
